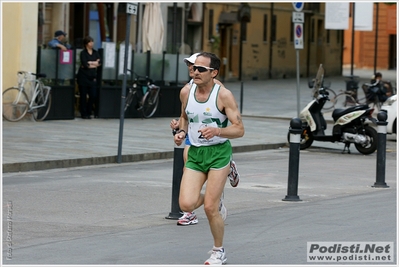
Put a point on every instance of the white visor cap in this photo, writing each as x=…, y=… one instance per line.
x=191, y=59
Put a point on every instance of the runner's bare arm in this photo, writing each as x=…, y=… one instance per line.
x=230, y=107
x=183, y=123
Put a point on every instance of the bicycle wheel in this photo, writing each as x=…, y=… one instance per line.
x=150, y=103
x=129, y=99
x=15, y=104
x=332, y=96
x=39, y=114
x=344, y=101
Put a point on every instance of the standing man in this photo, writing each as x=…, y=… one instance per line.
x=58, y=41
x=206, y=110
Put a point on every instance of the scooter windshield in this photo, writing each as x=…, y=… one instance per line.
x=318, y=81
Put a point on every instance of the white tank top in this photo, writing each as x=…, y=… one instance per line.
x=204, y=114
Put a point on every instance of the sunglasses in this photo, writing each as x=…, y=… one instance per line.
x=189, y=64
x=201, y=68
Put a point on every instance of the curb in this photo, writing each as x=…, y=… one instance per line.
x=80, y=162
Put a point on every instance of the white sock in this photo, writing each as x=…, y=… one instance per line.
x=218, y=248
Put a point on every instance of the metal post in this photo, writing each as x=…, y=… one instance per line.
x=148, y=65
x=177, y=68
x=39, y=59
x=381, y=149
x=297, y=83
x=123, y=94
x=293, y=165
x=57, y=58
x=163, y=68
x=376, y=39
x=353, y=37
x=178, y=165
x=240, y=51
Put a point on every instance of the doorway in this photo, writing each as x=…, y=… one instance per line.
x=226, y=35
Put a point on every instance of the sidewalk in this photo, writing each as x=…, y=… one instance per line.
x=267, y=109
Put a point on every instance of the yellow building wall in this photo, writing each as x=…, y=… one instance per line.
x=278, y=58
x=255, y=50
x=19, y=37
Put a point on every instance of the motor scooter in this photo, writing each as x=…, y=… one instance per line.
x=350, y=124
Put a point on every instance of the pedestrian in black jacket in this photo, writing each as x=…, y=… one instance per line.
x=87, y=77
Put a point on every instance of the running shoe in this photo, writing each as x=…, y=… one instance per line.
x=218, y=257
x=188, y=218
x=234, y=176
x=222, y=209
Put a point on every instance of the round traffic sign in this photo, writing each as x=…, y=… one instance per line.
x=298, y=6
x=298, y=31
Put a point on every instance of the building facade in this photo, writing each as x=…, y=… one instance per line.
x=254, y=41
x=267, y=41
x=376, y=48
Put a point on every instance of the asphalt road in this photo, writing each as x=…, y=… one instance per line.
x=115, y=214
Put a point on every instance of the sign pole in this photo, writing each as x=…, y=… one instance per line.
x=297, y=83
x=298, y=19
x=298, y=39
x=131, y=8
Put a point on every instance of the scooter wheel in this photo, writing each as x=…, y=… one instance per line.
x=306, y=138
x=372, y=137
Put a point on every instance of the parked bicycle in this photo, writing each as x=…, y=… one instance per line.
x=145, y=94
x=341, y=100
x=349, y=98
x=16, y=102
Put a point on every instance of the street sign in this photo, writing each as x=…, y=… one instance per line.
x=131, y=8
x=298, y=17
x=298, y=6
x=298, y=35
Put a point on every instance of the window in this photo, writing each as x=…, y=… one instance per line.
x=328, y=36
x=264, y=28
x=273, y=33
x=338, y=36
x=312, y=30
x=315, y=7
x=210, y=29
x=292, y=31
x=174, y=35
x=243, y=31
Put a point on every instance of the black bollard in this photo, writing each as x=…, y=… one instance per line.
x=293, y=165
x=381, y=149
x=178, y=164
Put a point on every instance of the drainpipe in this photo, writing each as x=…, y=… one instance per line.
x=271, y=42
x=353, y=37
x=241, y=42
x=309, y=23
x=186, y=14
x=376, y=39
x=139, y=28
x=174, y=28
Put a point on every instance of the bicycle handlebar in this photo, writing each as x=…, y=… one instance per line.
x=38, y=75
x=138, y=75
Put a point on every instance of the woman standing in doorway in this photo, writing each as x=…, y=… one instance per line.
x=87, y=77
